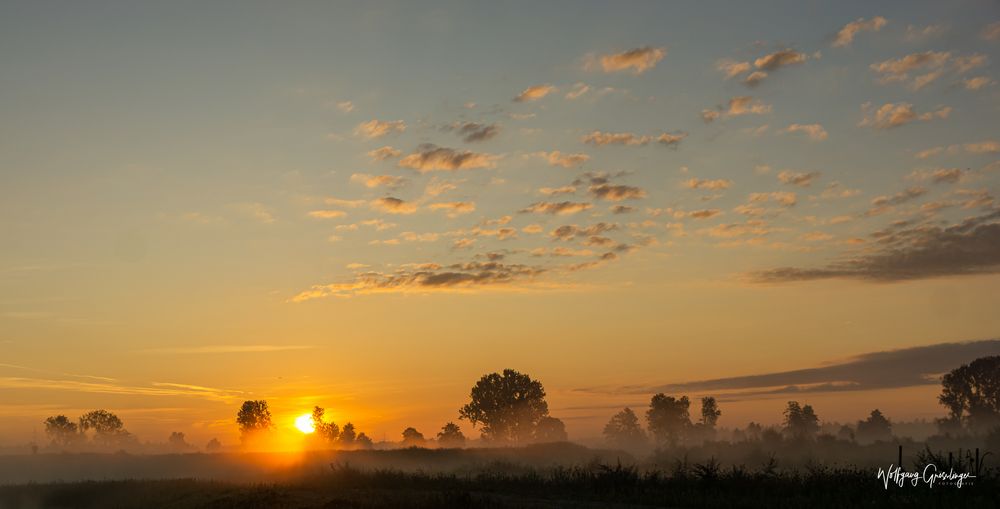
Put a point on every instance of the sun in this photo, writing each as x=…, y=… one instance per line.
x=304, y=423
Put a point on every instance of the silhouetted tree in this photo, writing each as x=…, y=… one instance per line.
x=413, y=438
x=108, y=428
x=213, y=445
x=177, y=441
x=363, y=442
x=328, y=431
x=876, y=427
x=801, y=422
x=624, y=430
x=754, y=431
x=507, y=406
x=971, y=393
x=709, y=412
x=451, y=436
x=61, y=431
x=668, y=419
x=550, y=429
x=845, y=433
x=347, y=435
x=253, y=417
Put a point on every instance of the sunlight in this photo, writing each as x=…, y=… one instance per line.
x=304, y=423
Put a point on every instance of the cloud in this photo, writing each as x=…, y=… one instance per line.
x=814, y=131
x=908, y=253
x=846, y=35
x=885, y=203
x=557, y=158
x=637, y=60
x=991, y=32
x=753, y=79
x=798, y=179
x=740, y=105
x=784, y=58
x=940, y=175
x=915, y=33
x=977, y=82
x=429, y=157
x=558, y=208
x=572, y=231
x=931, y=65
x=327, y=214
x=256, y=211
x=345, y=106
x=671, y=140
x=353, y=204
x=732, y=68
x=424, y=278
x=379, y=128
x=472, y=131
x=713, y=185
x=891, y=369
x=599, y=138
x=610, y=192
x=454, y=208
x=393, y=205
x=555, y=191
x=383, y=153
x=892, y=115
x=534, y=93
x=373, y=181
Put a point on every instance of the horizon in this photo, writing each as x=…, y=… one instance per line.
x=367, y=207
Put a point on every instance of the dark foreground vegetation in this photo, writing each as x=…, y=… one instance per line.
x=505, y=485
x=542, y=476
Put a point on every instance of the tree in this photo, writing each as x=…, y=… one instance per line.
x=177, y=441
x=624, y=430
x=451, y=436
x=413, y=438
x=668, y=419
x=507, y=406
x=326, y=430
x=253, y=418
x=709, y=412
x=754, y=431
x=550, y=429
x=876, y=427
x=213, y=445
x=801, y=422
x=363, y=442
x=61, y=431
x=347, y=435
x=971, y=393
x=845, y=433
x=108, y=428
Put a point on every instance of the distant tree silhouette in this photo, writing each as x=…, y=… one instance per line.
x=363, y=442
x=108, y=428
x=347, y=435
x=253, y=417
x=451, y=436
x=876, y=427
x=328, y=431
x=754, y=431
x=61, y=431
x=709, y=412
x=213, y=445
x=971, y=393
x=413, y=438
x=801, y=422
x=668, y=418
x=550, y=429
x=506, y=406
x=845, y=433
x=624, y=430
x=177, y=441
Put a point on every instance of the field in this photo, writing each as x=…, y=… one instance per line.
x=553, y=475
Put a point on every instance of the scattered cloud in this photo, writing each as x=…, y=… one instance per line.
x=454, y=208
x=472, y=131
x=327, y=214
x=814, y=131
x=383, y=153
x=562, y=208
x=378, y=128
x=429, y=157
x=534, y=93
x=373, y=181
x=892, y=115
x=557, y=158
x=392, y=205
x=991, y=32
x=636, y=61
x=846, y=35
x=712, y=185
x=800, y=179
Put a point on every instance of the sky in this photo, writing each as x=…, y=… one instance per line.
x=368, y=206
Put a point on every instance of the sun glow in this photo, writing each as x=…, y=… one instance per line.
x=304, y=423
